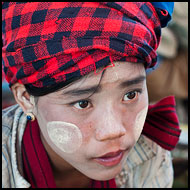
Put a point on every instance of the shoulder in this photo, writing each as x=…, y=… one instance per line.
x=8, y=118
x=147, y=165
x=8, y=114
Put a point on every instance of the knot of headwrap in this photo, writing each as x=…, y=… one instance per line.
x=46, y=45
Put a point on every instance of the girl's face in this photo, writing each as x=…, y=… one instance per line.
x=94, y=130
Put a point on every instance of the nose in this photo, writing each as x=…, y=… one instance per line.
x=109, y=125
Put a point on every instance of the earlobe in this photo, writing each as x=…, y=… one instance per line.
x=22, y=97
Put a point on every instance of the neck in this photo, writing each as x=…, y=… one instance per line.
x=65, y=175
x=71, y=179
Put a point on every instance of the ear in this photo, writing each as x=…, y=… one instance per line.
x=22, y=97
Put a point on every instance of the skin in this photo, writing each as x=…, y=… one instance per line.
x=107, y=121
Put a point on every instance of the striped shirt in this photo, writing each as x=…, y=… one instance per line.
x=147, y=165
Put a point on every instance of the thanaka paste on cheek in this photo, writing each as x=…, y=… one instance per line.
x=65, y=136
x=139, y=122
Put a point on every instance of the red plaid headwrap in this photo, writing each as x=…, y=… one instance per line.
x=46, y=45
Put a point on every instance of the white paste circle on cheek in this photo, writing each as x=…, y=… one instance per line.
x=66, y=136
x=139, y=122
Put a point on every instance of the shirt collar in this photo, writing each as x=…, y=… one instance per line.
x=143, y=150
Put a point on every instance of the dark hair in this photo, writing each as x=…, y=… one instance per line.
x=58, y=86
x=98, y=83
x=46, y=90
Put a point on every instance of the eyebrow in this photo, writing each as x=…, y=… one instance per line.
x=134, y=81
x=97, y=88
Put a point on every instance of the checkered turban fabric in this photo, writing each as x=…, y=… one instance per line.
x=46, y=45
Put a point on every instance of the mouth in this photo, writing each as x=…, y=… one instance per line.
x=111, y=158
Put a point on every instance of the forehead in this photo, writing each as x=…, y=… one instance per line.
x=121, y=71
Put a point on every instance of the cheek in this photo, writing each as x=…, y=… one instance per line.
x=139, y=122
x=48, y=111
x=87, y=131
x=63, y=137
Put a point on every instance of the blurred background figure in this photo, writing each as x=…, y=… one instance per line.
x=171, y=78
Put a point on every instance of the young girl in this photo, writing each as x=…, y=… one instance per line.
x=78, y=73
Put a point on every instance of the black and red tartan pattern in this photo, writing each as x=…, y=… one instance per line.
x=45, y=43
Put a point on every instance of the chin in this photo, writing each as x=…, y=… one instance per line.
x=106, y=174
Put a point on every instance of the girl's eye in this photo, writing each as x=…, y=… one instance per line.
x=81, y=104
x=131, y=95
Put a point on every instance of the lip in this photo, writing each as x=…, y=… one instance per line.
x=110, y=159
